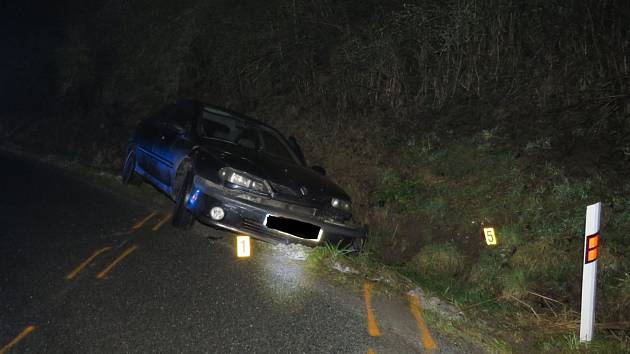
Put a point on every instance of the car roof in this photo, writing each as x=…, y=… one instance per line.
x=227, y=112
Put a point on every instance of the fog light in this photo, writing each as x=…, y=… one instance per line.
x=217, y=213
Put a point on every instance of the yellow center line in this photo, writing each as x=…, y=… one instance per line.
x=83, y=264
x=159, y=224
x=143, y=221
x=17, y=339
x=372, y=327
x=107, y=269
x=414, y=306
x=371, y=351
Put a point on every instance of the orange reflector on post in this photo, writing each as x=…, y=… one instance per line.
x=591, y=255
x=593, y=242
x=592, y=248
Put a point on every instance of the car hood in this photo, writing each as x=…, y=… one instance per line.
x=280, y=173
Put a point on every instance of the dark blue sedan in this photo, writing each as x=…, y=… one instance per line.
x=233, y=172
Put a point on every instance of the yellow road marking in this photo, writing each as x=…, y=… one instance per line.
x=371, y=351
x=79, y=268
x=17, y=339
x=107, y=269
x=159, y=224
x=143, y=221
x=414, y=306
x=372, y=327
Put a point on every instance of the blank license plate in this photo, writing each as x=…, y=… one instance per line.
x=293, y=227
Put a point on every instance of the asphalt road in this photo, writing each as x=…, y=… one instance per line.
x=154, y=289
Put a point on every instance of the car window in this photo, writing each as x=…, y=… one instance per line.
x=184, y=116
x=223, y=127
x=275, y=146
x=249, y=138
x=163, y=115
x=212, y=128
x=176, y=116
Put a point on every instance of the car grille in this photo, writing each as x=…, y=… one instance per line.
x=302, y=210
x=284, y=190
x=329, y=212
x=253, y=225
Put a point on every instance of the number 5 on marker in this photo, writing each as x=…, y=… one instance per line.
x=491, y=239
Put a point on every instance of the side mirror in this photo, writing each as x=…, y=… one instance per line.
x=297, y=149
x=319, y=169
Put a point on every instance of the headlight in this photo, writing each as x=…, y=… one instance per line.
x=340, y=204
x=244, y=180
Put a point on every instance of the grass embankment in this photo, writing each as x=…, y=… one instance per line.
x=527, y=287
x=538, y=213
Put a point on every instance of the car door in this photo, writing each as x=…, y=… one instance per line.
x=174, y=142
x=148, y=133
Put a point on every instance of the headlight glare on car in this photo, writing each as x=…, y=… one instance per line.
x=244, y=180
x=340, y=204
x=239, y=180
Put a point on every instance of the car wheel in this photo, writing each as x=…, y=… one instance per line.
x=182, y=217
x=129, y=175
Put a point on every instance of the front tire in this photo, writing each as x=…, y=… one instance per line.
x=182, y=217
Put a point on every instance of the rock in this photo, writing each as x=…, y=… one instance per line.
x=344, y=268
x=437, y=305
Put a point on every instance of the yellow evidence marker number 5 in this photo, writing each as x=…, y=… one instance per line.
x=491, y=238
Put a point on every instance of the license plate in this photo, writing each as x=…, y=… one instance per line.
x=293, y=227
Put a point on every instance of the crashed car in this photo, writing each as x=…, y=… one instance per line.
x=236, y=173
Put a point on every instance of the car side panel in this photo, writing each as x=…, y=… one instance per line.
x=170, y=149
x=145, y=137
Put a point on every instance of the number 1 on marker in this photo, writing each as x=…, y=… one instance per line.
x=243, y=248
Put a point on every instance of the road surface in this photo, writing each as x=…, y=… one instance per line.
x=85, y=269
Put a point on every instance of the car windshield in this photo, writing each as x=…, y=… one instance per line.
x=274, y=145
x=215, y=125
x=221, y=126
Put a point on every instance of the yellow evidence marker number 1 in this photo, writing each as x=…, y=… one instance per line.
x=243, y=248
x=491, y=238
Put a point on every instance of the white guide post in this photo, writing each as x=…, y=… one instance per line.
x=592, y=240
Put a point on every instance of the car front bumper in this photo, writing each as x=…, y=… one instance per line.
x=250, y=218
